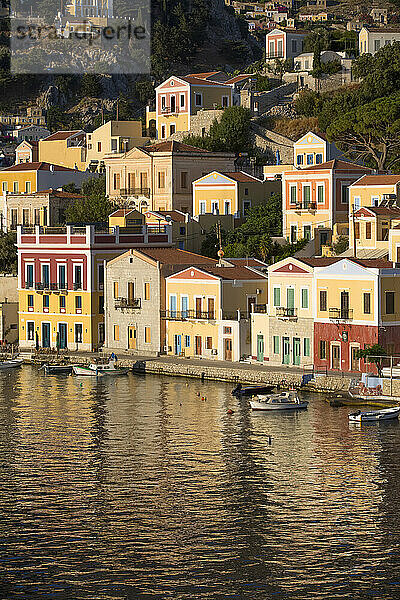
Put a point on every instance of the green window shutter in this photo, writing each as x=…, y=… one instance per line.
x=304, y=298
x=276, y=344
x=277, y=297
x=306, y=346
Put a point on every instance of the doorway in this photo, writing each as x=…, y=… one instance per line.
x=336, y=356
x=132, y=337
x=62, y=336
x=344, y=305
x=260, y=348
x=355, y=361
x=197, y=345
x=178, y=344
x=228, y=349
x=290, y=301
x=286, y=350
x=296, y=351
x=45, y=335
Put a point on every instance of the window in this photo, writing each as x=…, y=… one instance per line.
x=116, y=333
x=15, y=187
x=182, y=230
x=294, y=46
x=246, y=207
x=161, y=179
x=293, y=194
x=318, y=159
x=117, y=181
x=147, y=335
x=4, y=186
x=377, y=45
x=357, y=230
x=202, y=208
x=78, y=303
x=246, y=191
x=147, y=291
x=62, y=303
x=101, y=277
x=61, y=277
x=389, y=303
x=225, y=101
x=293, y=234
x=385, y=231
x=306, y=347
x=187, y=341
x=320, y=193
x=357, y=203
x=27, y=187
x=367, y=303
x=114, y=145
x=304, y=298
x=323, y=300
x=306, y=196
x=227, y=330
x=215, y=207
x=30, y=301
x=322, y=349
x=115, y=289
x=30, y=330
x=98, y=146
x=29, y=276
x=78, y=333
x=307, y=232
x=209, y=343
x=37, y=216
x=46, y=302
x=163, y=135
x=25, y=216
x=368, y=232
x=198, y=101
x=227, y=207
x=182, y=100
x=374, y=201
x=172, y=129
x=276, y=344
x=101, y=305
x=46, y=275
x=345, y=194
x=14, y=218
x=310, y=159
x=277, y=296
x=163, y=102
x=77, y=277
x=184, y=180
x=299, y=159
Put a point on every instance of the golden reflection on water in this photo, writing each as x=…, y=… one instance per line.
x=136, y=487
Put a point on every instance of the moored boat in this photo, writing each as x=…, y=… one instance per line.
x=282, y=401
x=55, y=369
x=11, y=363
x=375, y=416
x=98, y=369
x=251, y=390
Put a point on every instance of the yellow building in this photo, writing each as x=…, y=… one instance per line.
x=159, y=177
x=61, y=282
x=312, y=149
x=231, y=193
x=114, y=137
x=65, y=148
x=178, y=98
x=37, y=176
x=209, y=309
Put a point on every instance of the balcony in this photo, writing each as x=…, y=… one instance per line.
x=260, y=308
x=140, y=191
x=181, y=315
x=341, y=314
x=273, y=55
x=286, y=313
x=310, y=206
x=130, y=303
x=48, y=287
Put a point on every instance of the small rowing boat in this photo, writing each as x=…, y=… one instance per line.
x=98, y=370
x=376, y=415
x=252, y=390
x=50, y=369
x=12, y=363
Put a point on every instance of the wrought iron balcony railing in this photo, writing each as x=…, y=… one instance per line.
x=341, y=314
x=286, y=313
x=133, y=303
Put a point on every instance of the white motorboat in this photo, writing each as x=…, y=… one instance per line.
x=282, y=401
x=12, y=363
x=98, y=370
x=385, y=414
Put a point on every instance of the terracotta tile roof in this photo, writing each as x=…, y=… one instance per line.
x=319, y=262
x=337, y=165
x=390, y=211
x=242, y=177
x=172, y=146
x=32, y=143
x=199, y=81
x=247, y=262
x=372, y=263
x=174, y=256
x=51, y=192
x=378, y=180
x=203, y=75
x=382, y=29
x=239, y=78
x=235, y=272
x=62, y=135
x=121, y=212
x=175, y=215
x=37, y=166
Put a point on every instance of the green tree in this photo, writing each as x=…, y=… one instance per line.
x=230, y=134
x=95, y=207
x=8, y=253
x=373, y=354
x=370, y=132
x=318, y=40
x=341, y=245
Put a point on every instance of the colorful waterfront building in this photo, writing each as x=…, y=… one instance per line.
x=283, y=329
x=357, y=304
x=37, y=176
x=61, y=281
x=209, y=310
x=178, y=99
x=284, y=43
x=233, y=193
x=316, y=201
x=313, y=149
x=65, y=148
